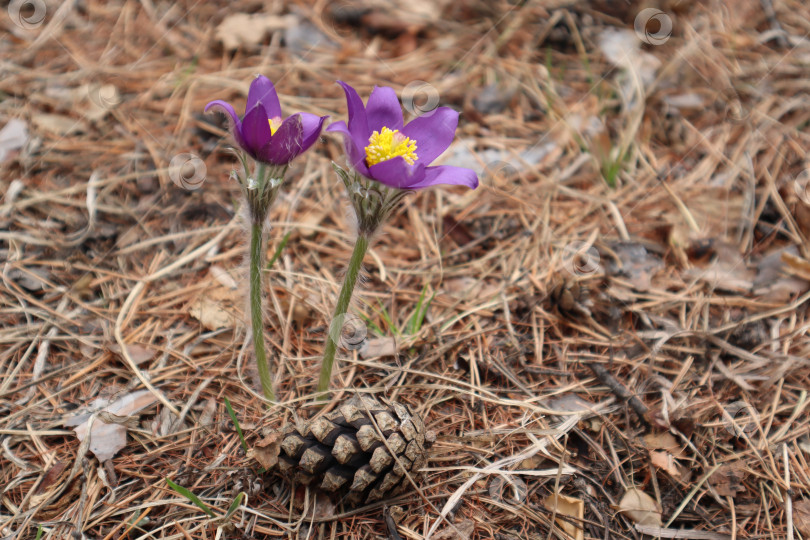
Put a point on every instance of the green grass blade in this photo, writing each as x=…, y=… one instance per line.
x=190, y=496
x=387, y=319
x=236, y=423
x=237, y=502
x=372, y=325
x=418, y=317
x=278, y=251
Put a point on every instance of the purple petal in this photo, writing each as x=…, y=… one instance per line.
x=358, y=123
x=355, y=153
x=383, y=109
x=236, y=124
x=432, y=132
x=311, y=125
x=263, y=92
x=338, y=127
x=396, y=172
x=285, y=144
x=256, y=129
x=447, y=174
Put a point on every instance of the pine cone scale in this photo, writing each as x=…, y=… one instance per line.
x=345, y=449
x=361, y=450
x=316, y=459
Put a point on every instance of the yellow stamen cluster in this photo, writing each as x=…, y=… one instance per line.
x=275, y=123
x=387, y=144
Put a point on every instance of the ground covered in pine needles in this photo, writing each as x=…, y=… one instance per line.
x=608, y=337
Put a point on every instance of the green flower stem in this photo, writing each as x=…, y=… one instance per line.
x=341, y=308
x=256, y=315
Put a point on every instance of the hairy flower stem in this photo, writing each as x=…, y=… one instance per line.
x=342, y=306
x=257, y=243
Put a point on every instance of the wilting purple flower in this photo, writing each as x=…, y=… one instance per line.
x=263, y=134
x=382, y=148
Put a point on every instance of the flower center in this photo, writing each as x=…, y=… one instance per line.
x=387, y=144
x=275, y=123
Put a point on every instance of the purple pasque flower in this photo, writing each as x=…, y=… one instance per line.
x=382, y=148
x=264, y=133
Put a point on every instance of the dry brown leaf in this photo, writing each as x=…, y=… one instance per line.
x=215, y=308
x=13, y=136
x=210, y=314
x=723, y=277
x=375, y=348
x=33, y=279
x=308, y=224
x=109, y=434
x=462, y=530
x=58, y=124
x=53, y=476
x=53, y=480
x=640, y=508
x=635, y=264
x=801, y=517
x=663, y=441
x=772, y=279
x=567, y=403
x=531, y=463
x=727, y=270
x=208, y=412
x=266, y=451
x=468, y=288
x=249, y=30
x=302, y=310
x=664, y=461
x=567, y=506
x=727, y=480
x=223, y=277
x=138, y=353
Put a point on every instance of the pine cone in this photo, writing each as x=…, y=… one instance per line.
x=343, y=454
